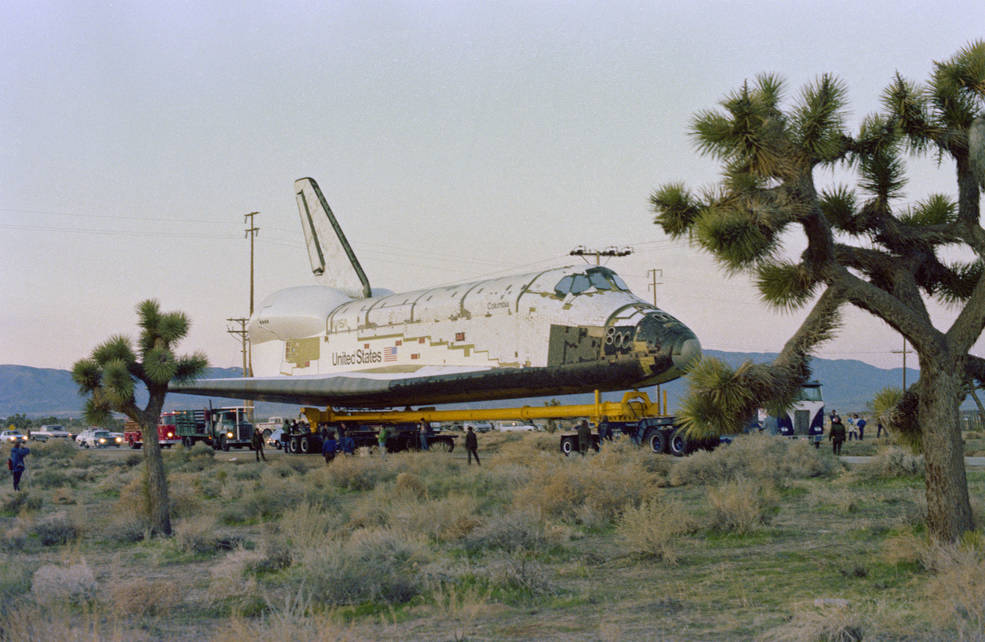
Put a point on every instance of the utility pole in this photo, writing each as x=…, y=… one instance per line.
x=652, y=273
x=251, y=232
x=240, y=333
x=612, y=250
x=904, y=352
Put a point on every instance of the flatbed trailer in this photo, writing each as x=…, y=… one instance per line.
x=635, y=415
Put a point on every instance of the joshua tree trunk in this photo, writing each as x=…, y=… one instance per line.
x=158, y=508
x=948, y=506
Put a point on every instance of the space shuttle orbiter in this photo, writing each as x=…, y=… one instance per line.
x=342, y=344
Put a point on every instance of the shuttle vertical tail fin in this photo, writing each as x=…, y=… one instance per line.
x=332, y=260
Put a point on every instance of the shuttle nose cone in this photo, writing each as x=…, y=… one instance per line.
x=685, y=354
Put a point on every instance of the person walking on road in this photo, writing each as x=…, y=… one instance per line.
x=836, y=435
x=584, y=437
x=16, y=462
x=472, y=446
x=257, y=443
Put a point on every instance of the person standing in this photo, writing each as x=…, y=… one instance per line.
x=423, y=430
x=328, y=447
x=837, y=434
x=285, y=436
x=584, y=437
x=860, y=424
x=879, y=429
x=852, y=430
x=16, y=462
x=382, y=438
x=257, y=443
x=472, y=445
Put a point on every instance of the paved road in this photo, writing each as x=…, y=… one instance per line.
x=969, y=462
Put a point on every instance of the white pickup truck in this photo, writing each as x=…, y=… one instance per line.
x=267, y=427
x=50, y=431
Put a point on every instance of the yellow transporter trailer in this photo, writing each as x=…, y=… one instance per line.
x=636, y=415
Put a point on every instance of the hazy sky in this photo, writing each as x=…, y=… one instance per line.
x=453, y=140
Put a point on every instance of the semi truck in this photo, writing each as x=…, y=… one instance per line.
x=221, y=428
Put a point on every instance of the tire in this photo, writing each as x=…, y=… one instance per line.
x=223, y=444
x=266, y=433
x=294, y=445
x=304, y=445
x=679, y=444
x=567, y=446
x=656, y=441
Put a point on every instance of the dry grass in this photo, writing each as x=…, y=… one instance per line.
x=530, y=545
x=740, y=505
x=757, y=456
x=655, y=527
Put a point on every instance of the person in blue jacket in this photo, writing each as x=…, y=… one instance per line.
x=328, y=447
x=17, y=467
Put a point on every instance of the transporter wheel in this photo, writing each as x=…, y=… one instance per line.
x=679, y=445
x=294, y=445
x=304, y=445
x=656, y=441
x=567, y=445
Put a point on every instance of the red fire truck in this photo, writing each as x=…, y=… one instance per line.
x=167, y=433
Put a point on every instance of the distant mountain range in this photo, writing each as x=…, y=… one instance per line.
x=848, y=385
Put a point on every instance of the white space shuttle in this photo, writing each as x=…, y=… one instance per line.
x=343, y=344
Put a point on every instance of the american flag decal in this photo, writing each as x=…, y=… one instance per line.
x=389, y=354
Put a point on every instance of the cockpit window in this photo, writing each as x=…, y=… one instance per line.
x=580, y=284
x=563, y=286
x=600, y=278
x=599, y=281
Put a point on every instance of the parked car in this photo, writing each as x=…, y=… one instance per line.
x=12, y=436
x=50, y=431
x=510, y=426
x=480, y=426
x=99, y=439
x=274, y=438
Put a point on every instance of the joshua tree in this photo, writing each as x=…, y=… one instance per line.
x=109, y=377
x=865, y=246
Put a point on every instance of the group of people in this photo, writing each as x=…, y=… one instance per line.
x=855, y=429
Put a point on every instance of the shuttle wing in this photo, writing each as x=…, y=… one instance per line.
x=332, y=260
x=430, y=386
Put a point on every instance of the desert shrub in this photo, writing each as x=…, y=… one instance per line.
x=57, y=528
x=123, y=527
x=75, y=583
x=197, y=535
x=198, y=457
x=373, y=565
x=291, y=619
x=830, y=621
x=139, y=596
x=740, y=505
x=245, y=473
x=757, y=456
x=184, y=494
x=654, y=528
x=358, y=473
x=54, y=449
x=410, y=485
x=957, y=589
x=53, y=478
x=308, y=525
x=15, y=581
x=63, y=496
x=445, y=519
x=132, y=459
x=20, y=502
x=512, y=531
x=593, y=490
x=519, y=578
x=231, y=586
x=264, y=500
x=894, y=462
